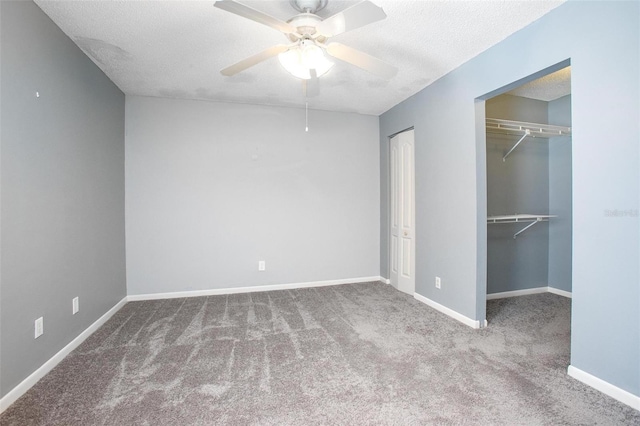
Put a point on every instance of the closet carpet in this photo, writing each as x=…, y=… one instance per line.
x=352, y=354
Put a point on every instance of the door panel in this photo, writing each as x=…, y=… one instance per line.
x=407, y=184
x=394, y=185
x=406, y=257
x=402, y=212
x=394, y=255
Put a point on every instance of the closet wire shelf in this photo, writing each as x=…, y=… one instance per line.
x=532, y=219
x=524, y=129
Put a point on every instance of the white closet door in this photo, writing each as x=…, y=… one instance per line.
x=402, y=214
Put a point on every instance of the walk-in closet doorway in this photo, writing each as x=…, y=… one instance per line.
x=529, y=189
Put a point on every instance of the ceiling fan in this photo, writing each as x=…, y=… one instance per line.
x=304, y=57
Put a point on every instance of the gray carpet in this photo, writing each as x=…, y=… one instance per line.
x=342, y=355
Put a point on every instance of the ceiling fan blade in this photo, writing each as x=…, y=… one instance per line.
x=351, y=18
x=361, y=60
x=255, y=59
x=255, y=15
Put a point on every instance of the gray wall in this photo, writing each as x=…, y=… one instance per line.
x=560, y=249
x=450, y=168
x=62, y=191
x=212, y=188
x=518, y=185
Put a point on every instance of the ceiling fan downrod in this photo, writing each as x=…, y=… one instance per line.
x=308, y=6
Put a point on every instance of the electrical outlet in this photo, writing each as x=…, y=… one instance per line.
x=438, y=282
x=75, y=305
x=262, y=265
x=39, y=326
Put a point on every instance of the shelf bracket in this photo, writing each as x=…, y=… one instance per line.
x=527, y=227
x=527, y=132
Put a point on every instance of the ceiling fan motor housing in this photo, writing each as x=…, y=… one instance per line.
x=306, y=24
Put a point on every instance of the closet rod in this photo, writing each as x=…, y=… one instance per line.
x=518, y=218
x=511, y=127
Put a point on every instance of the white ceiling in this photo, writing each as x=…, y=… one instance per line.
x=176, y=49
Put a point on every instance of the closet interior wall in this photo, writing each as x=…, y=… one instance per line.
x=560, y=196
x=534, y=179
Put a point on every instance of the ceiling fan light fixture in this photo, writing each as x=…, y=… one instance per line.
x=307, y=56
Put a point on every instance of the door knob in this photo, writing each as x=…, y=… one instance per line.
x=406, y=233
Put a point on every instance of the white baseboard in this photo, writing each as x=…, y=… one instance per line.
x=385, y=280
x=560, y=292
x=32, y=379
x=607, y=388
x=527, y=292
x=450, y=312
x=516, y=293
x=252, y=289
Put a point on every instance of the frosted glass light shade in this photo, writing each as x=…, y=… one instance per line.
x=301, y=60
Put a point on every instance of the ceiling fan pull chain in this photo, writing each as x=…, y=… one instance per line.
x=306, y=116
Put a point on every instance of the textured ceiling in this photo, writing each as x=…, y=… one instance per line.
x=547, y=88
x=176, y=49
